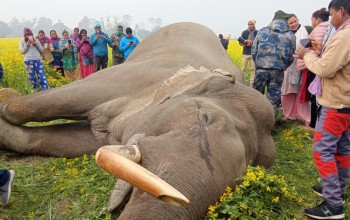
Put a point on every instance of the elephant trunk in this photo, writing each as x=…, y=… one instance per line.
x=117, y=164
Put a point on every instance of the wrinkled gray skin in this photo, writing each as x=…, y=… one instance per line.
x=201, y=128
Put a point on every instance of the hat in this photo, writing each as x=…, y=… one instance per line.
x=281, y=15
x=97, y=25
x=27, y=31
x=252, y=21
x=128, y=30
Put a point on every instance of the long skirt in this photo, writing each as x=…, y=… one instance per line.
x=294, y=109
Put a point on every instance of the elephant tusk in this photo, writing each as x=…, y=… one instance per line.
x=129, y=171
x=130, y=152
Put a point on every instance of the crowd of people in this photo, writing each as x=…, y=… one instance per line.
x=308, y=74
x=74, y=56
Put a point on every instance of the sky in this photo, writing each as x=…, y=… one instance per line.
x=225, y=16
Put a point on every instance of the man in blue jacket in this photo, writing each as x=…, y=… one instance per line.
x=128, y=43
x=99, y=41
x=272, y=52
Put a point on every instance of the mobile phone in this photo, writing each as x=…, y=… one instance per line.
x=305, y=42
x=69, y=41
x=131, y=42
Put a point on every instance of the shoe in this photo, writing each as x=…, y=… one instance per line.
x=325, y=211
x=5, y=190
x=318, y=191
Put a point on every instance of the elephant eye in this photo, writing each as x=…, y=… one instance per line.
x=207, y=117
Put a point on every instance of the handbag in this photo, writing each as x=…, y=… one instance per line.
x=47, y=55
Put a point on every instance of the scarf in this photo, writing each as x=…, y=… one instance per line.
x=55, y=43
x=86, y=53
x=43, y=41
x=251, y=34
x=315, y=87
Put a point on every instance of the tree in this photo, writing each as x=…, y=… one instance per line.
x=87, y=24
x=43, y=24
x=59, y=27
x=125, y=21
x=5, y=30
x=155, y=23
x=142, y=33
x=16, y=27
x=29, y=23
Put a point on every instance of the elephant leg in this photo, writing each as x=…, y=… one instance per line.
x=63, y=140
x=120, y=196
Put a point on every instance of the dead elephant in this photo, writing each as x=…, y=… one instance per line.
x=178, y=100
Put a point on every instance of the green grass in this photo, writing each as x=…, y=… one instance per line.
x=59, y=188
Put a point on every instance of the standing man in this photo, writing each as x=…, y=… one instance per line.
x=128, y=43
x=248, y=37
x=117, y=55
x=331, y=147
x=99, y=41
x=223, y=41
x=272, y=52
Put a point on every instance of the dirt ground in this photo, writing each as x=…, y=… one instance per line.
x=10, y=156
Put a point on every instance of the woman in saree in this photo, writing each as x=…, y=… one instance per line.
x=85, y=54
x=69, y=52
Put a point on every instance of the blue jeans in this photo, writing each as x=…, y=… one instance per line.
x=4, y=177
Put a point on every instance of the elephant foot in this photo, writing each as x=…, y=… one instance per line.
x=8, y=93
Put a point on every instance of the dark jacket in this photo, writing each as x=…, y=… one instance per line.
x=247, y=50
x=224, y=43
x=274, y=46
x=1, y=72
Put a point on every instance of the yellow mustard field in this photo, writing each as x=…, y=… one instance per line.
x=16, y=77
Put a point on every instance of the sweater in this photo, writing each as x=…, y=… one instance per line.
x=334, y=68
x=31, y=52
x=318, y=34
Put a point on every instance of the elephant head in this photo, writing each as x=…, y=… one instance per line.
x=177, y=108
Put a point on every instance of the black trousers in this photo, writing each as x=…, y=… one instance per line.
x=312, y=99
x=100, y=61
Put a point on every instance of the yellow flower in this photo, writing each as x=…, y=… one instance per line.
x=275, y=199
x=246, y=183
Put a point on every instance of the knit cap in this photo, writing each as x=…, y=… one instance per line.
x=252, y=21
x=281, y=15
x=27, y=31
